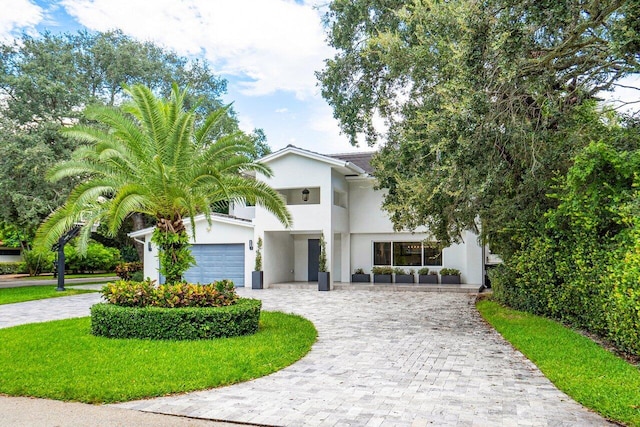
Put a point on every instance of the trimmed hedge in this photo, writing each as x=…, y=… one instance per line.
x=12, y=267
x=185, y=323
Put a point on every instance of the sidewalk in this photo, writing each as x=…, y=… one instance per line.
x=15, y=282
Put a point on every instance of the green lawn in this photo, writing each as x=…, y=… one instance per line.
x=575, y=364
x=30, y=293
x=62, y=360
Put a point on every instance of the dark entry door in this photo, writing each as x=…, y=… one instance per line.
x=314, y=259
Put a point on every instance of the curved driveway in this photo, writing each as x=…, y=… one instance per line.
x=382, y=358
x=389, y=358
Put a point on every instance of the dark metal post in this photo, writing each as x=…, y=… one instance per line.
x=60, y=267
x=59, y=247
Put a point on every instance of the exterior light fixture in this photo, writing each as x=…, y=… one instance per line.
x=149, y=245
x=250, y=244
x=305, y=195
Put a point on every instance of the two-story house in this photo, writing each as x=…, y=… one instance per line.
x=330, y=195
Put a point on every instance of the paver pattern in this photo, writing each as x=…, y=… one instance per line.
x=392, y=359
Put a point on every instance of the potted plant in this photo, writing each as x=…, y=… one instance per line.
x=450, y=276
x=382, y=274
x=402, y=276
x=257, y=276
x=360, y=276
x=427, y=276
x=323, y=274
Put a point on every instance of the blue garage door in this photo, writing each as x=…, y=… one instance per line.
x=217, y=262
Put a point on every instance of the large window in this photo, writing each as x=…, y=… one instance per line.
x=406, y=254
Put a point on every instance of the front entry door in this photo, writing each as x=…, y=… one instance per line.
x=314, y=259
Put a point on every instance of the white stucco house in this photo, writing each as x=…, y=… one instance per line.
x=326, y=194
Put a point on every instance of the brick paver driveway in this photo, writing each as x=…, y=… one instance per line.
x=389, y=358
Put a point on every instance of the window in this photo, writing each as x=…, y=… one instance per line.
x=381, y=253
x=432, y=256
x=14, y=252
x=406, y=254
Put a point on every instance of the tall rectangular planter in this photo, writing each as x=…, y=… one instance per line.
x=450, y=280
x=257, y=279
x=323, y=281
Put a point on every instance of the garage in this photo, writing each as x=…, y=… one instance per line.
x=217, y=262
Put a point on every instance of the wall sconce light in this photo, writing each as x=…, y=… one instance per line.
x=149, y=246
x=250, y=244
x=305, y=195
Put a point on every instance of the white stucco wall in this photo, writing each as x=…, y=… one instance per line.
x=278, y=257
x=365, y=208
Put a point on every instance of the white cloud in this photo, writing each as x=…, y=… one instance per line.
x=271, y=44
x=245, y=123
x=18, y=15
x=282, y=110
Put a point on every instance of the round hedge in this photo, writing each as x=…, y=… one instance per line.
x=185, y=323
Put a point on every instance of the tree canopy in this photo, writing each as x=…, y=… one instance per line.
x=46, y=82
x=484, y=102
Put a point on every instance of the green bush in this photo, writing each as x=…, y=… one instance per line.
x=137, y=276
x=187, y=323
x=13, y=267
x=38, y=261
x=450, y=272
x=147, y=294
x=581, y=264
x=125, y=270
x=97, y=258
x=382, y=270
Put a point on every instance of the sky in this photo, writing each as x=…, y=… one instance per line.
x=267, y=50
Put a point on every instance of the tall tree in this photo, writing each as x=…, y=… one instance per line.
x=150, y=157
x=484, y=101
x=46, y=82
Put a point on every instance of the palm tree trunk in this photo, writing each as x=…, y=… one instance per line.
x=174, y=249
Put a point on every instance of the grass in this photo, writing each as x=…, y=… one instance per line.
x=62, y=360
x=31, y=293
x=578, y=366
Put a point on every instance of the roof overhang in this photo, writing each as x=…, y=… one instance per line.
x=344, y=167
x=197, y=219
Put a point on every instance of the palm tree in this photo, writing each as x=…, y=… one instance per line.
x=149, y=157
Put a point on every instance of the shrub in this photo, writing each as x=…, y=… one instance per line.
x=137, y=276
x=450, y=272
x=258, y=266
x=187, y=323
x=12, y=267
x=424, y=271
x=399, y=270
x=97, y=258
x=38, y=261
x=125, y=270
x=382, y=270
x=358, y=271
x=147, y=294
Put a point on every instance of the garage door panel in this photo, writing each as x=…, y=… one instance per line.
x=217, y=262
